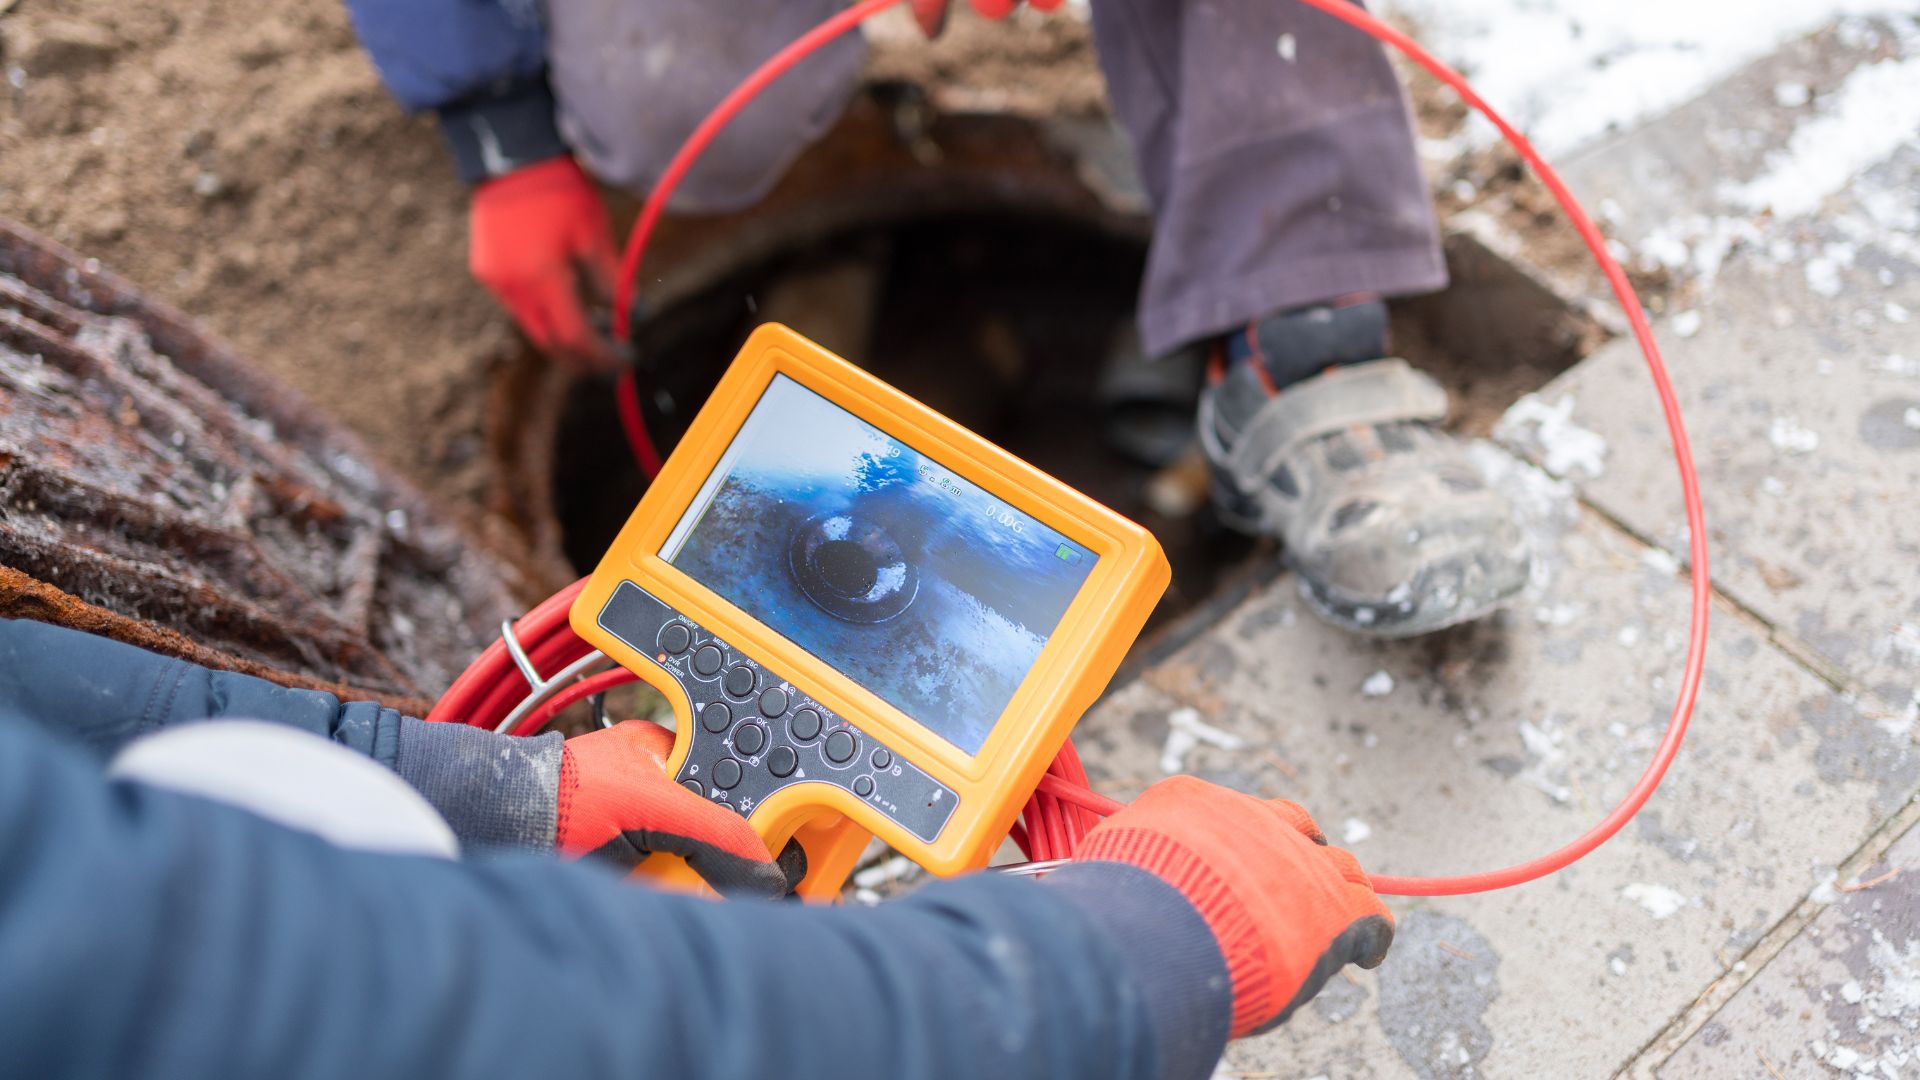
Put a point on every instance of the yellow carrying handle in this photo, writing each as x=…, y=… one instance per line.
x=832, y=843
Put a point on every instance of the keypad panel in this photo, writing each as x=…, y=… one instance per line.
x=755, y=733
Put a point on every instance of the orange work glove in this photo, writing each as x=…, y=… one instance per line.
x=1287, y=910
x=618, y=803
x=539, y=240
x=932, y=14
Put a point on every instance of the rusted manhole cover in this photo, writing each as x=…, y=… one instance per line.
x=156, y=488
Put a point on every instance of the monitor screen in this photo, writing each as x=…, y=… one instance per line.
x=891, y=568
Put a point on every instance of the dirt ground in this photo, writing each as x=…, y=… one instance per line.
x=243, y=162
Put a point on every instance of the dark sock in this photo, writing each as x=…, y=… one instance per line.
x=1299, y=344
x=1288, y=347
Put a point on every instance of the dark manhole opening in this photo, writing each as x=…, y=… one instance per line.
x=1005, y=321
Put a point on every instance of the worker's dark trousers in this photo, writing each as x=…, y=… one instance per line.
x=1274, y=141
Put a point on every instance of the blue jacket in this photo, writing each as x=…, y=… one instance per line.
x=144, y=933
x=481, y=64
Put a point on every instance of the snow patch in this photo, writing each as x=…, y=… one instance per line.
x=1660, y=901
x=1543, y=745
x=1566, y=72
x=1185, y=732
x=1905, y=641
x=1557, y=614
x=1873, y=114
x=1787, y=436
x=1792, y=95
x=1567, y=449
x=1842, y=1058
x=1898, y=968
x=1823, y=891
x=1823, y=270
x=1901, y=725
x=1355, y=831
x=1378, y=684
x=1699, y=244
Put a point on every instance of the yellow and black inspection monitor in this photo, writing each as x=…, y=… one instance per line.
x=869, y=620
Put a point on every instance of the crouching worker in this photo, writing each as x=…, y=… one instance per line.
x=1273, y=142
x=149, y=932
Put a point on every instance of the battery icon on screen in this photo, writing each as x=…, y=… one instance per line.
x=1066, y=554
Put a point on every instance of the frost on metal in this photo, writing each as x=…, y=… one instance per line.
x=155, y=488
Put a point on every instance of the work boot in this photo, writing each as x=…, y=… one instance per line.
x=1318, y=439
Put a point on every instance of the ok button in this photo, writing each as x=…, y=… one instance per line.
x=750, y=739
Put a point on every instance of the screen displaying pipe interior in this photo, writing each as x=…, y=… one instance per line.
x=914, y=582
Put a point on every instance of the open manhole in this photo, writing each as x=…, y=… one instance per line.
x=1002, y=311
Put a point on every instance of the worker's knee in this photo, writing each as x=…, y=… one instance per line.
x=634, y=79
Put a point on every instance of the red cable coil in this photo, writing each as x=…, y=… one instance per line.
x=1057, y=814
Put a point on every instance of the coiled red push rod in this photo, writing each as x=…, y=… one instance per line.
x=1059, y=788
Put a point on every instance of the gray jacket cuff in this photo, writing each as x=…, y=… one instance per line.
x=496, y=791
x=1175, y=963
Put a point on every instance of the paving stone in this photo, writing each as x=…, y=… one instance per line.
x=1805, y=415
x=1495, y=742
x=1797, y=362
x=1843, y=997
x=1797, y=365
x=1797, y=357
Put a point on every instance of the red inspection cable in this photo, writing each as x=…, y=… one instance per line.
x=1057, y=815
x=627, y=387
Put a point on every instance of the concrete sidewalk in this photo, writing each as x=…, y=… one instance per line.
x=1744, y=924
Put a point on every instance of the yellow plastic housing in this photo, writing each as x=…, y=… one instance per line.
x=1072, y=669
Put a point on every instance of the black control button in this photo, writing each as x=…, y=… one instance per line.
x=841, y=746
x=694, y=786
x=750, y=739
x=739, y=681
x=707, y=660
x=726, y=773
x=882, y=758
x=863, y=786
x=806, y=725
x=716, y=717
x=773, y=701
x=676, y=638
x=783, y=761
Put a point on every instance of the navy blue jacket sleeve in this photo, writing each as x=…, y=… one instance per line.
x=432, y=53
x=103, y=694
x=147, y=933
x=494, y=791
x=481, y=64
